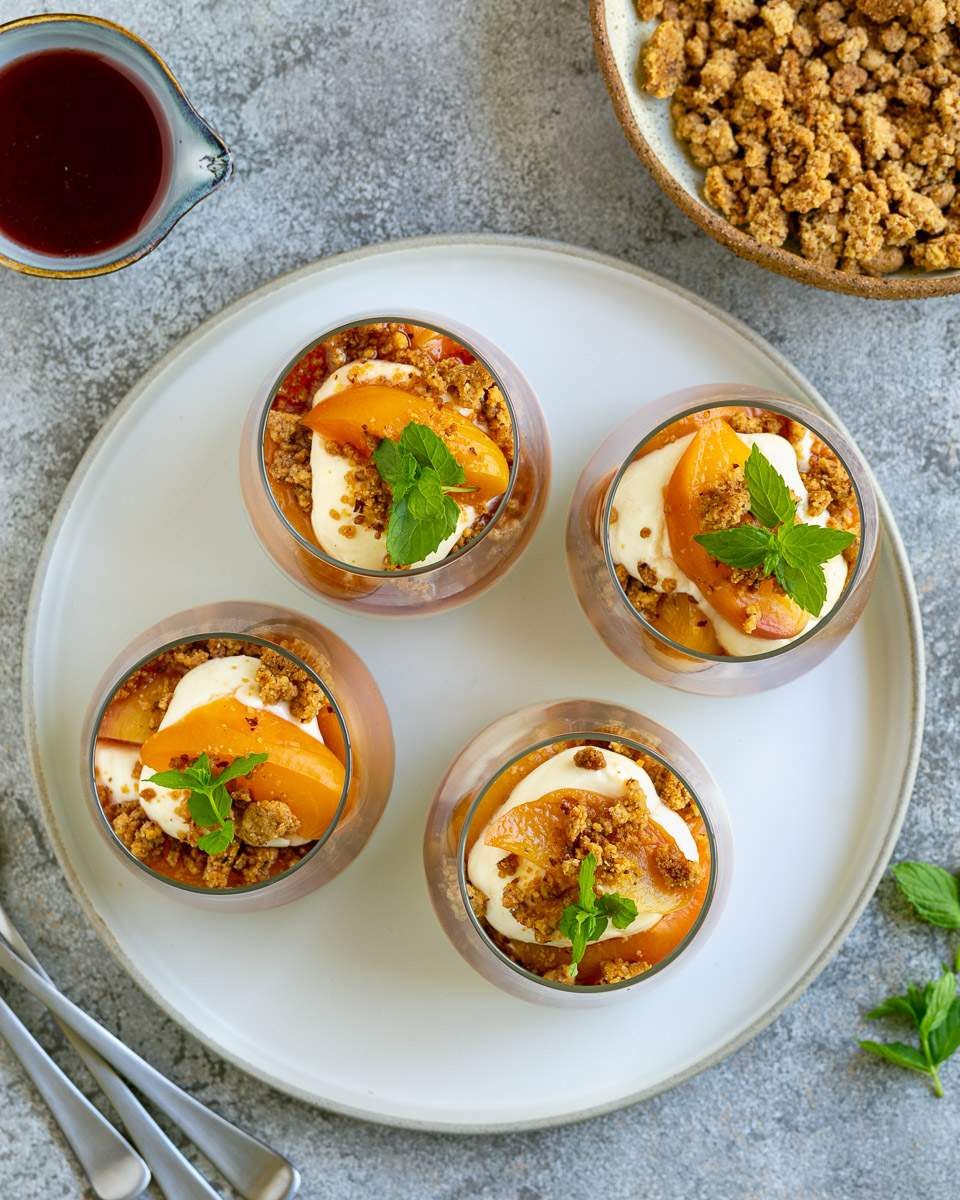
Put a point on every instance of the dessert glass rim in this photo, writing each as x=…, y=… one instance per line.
x=595, y=735
x=316, y=550
x=245, y=888
x=784, y=408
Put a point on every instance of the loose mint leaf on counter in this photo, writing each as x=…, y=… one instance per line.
x=933, y=892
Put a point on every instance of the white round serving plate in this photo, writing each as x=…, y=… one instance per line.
x=362, y=1006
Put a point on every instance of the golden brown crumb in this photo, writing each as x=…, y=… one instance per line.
x=615, y=970
x=676, y=867
x=727, y=504
x=279, y=679
x=508, y=865
x=589, y=758
x=139, y=834
x=265, y=820
x=829, y=128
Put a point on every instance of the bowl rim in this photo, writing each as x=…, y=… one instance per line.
x=773, y=258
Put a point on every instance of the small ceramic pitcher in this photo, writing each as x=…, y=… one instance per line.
x=199, y=159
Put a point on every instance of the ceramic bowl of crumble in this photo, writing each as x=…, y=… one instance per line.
x=815, y=139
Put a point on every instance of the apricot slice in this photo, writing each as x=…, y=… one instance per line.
x=537, y=831
x=682, y=620
x=301, y=771
x=706, y=464
x=133, y=718
x=689, y=424
x=438, y=345
x=382, y=411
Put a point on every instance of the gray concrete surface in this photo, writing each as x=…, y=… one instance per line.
x=357, y=121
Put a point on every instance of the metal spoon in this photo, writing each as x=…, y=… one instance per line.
x=176, y=1177
x=256, y=1171
x=114, y=1169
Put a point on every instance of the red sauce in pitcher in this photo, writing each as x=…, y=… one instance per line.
x=84, y=153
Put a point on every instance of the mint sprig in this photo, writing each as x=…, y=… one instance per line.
x=209, y=801
x=587, y=920
x=420, y=472
x=934, y=1011
x=781, y=546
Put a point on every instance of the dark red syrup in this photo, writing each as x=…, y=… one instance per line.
x=84, y=153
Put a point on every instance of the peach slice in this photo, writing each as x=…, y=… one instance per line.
x=691, y=423
x=705, y=464
x=682, y=620
x=438, y=345
x=382, y=411
x=537, y=831
x=133, y=718
x=301, y=771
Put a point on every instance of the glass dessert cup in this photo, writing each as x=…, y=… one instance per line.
x=474, y=784
x=628, y=633
x=507, y=520
x=352, y=724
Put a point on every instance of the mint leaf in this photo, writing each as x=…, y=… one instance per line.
x=397, y=467
x=218, y=840
x=240, y=766
x=419, y=522
x=944, y=1040
x=806, y=585
x=621, y=910
x=809, y=545
x=429, y=450
x=588, y=873
x=770, y=499
x=745, y=546
x=897, y=1006
x=898, y=1053
x=939, y=996
x=174, y=779
x=933, y=892
x=202, y=769
x=203, y=810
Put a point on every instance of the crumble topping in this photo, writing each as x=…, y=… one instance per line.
x=828, y=128
x=264, y=820
x=589, y=758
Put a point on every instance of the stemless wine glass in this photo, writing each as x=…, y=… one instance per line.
x=362, y=720
x=453, y=580
x=461, y=795
x=626, y=632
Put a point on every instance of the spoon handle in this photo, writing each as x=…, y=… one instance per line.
x=175, y=1176
x=253, y=1168
x=114, y=1169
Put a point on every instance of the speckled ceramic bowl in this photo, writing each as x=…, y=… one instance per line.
x=199, y=159
x=618, y=36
